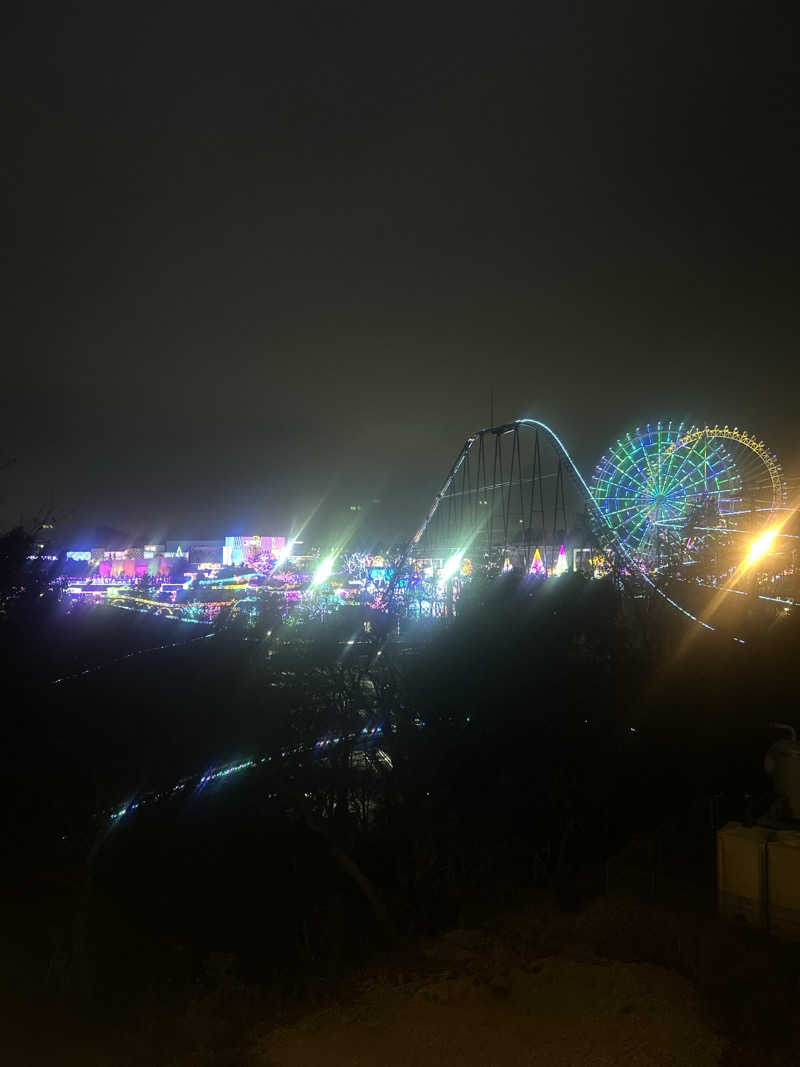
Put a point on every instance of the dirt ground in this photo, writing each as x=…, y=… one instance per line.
x=490, y=999
x=619, y=982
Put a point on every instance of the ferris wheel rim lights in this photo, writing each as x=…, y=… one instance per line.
x=627, y=483
x=648, y=480
x=757, y=447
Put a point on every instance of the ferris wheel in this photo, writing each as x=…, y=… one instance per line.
x=762, y=486
x=652, y=484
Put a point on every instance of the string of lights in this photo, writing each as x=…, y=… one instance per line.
x=128, y=655
x=199, y=781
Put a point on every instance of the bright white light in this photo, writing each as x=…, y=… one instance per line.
x=324, y=571
x=452, y=565
x=285, y=553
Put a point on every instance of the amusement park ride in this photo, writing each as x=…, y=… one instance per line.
x=667, y=504
x=688, y=514
x=662, y=491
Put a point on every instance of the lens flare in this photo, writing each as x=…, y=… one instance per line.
x=285, y=553
x=760, y=547
x=452, y=565
x=323, y=571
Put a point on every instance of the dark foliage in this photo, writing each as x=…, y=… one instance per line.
x=520, y=746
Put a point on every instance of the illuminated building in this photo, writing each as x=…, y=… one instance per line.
x=122, y=565
x=240, y=550
x=197, y=550
x=133, y=563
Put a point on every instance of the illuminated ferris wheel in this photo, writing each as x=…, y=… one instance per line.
x=653, y=484
x=762, y=486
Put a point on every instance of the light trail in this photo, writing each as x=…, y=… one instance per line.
x=201, y=781
x=740, y=592
x=129, y=655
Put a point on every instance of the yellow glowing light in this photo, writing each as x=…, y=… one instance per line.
x=760, y=547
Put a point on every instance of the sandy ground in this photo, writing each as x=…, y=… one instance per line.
x=487, y=1008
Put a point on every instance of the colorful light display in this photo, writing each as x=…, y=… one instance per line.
x=766, y=462
x=537, y=565
x=247, y=549
x=359, y=738
x=561, y=563
x=648, y=484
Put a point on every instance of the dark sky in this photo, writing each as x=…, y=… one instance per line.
x=260, y=254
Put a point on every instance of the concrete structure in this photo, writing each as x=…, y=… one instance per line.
x=758, y=877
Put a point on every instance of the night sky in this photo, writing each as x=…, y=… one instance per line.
x=261, y=255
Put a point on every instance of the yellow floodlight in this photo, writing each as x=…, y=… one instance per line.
x=760, y=547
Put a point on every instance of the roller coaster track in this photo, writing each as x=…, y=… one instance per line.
x=559, y=448
x=608, y=539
